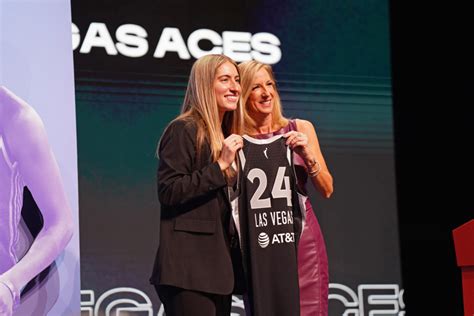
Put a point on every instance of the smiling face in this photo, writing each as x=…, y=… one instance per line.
x=227, y=87
x=262, y=93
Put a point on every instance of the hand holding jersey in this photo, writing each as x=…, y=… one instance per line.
x=230, y=146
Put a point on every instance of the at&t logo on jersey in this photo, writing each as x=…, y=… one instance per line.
x=279, y=238
x=263, y=240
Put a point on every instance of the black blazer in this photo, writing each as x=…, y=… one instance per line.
x=194, y=248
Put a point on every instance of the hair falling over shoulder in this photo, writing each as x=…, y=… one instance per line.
x=200, y=106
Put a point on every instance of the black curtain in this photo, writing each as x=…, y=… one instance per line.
x=432, y=72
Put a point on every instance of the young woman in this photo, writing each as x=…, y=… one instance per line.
x=263, y=119
x=193, y=272
x=26, y=159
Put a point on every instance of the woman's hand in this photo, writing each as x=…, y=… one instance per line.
x=298, y=142
x=230, y=146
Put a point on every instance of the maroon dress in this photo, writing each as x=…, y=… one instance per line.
x=312, y=258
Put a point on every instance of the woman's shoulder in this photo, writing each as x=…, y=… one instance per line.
x=303, y=125
x=18, y=112
x=183, y=123
x=182, y=126
x=179, y=132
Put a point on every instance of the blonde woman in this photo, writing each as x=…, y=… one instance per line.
x=193, y=272
x=264, y=119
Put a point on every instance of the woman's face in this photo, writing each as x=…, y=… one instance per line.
x=262, y=92
x=227, y=87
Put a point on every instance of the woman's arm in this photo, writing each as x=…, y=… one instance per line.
x=27, y=141
x=307, y=146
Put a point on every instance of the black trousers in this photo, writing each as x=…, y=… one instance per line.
x=181, y=302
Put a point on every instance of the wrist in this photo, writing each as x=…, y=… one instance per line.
x=222, y=164
x=15, y=293
x=307, y=154
x=313, y=167
x=310, y=162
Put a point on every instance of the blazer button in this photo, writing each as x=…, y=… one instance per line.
x=211, y=188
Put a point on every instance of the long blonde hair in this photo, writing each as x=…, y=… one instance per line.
x=200, y=105
x=248, y=70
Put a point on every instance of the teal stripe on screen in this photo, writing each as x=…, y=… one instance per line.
x=350, y=113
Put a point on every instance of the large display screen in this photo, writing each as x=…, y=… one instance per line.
x=332, y=65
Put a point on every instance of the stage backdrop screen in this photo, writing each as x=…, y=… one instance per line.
x=332, y=65
x=36, y=65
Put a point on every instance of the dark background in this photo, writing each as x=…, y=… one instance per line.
x=430, y=66
x=433, y=112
